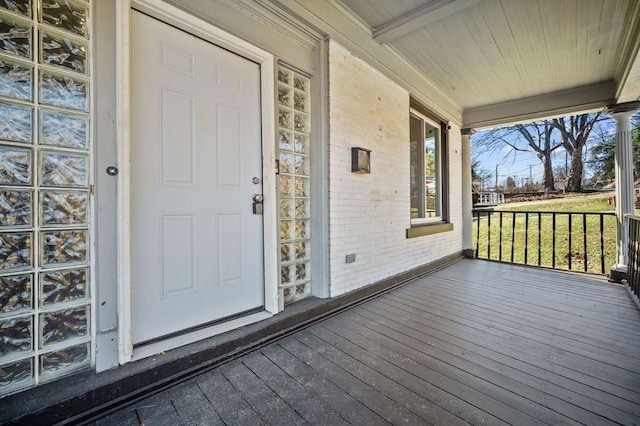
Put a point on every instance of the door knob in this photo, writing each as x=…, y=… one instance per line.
x=257, y=198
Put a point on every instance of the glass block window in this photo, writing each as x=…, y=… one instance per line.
x=45, y=176
x=293, y=97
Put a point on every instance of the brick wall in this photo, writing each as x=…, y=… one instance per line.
x=369, y=213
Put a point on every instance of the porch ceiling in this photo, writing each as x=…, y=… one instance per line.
x=504, y=61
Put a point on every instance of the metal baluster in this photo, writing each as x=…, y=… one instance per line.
x=478, y=235
x=500, y=245
x=553, y=240
x=570, y=232
x=539, y=238
x=602, y=243
x=584, y=239
x=526, y=238
x=513, y=233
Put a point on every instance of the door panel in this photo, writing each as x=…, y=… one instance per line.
x=197, y=247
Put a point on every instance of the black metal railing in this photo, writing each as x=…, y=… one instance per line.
x=633, y=265
x=577, y=241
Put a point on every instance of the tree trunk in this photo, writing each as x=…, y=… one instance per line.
x=548, y=182
x=574, y=176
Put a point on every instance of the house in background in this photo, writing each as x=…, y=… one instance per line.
x=172, y=170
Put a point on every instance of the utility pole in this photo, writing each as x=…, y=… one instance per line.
x=530, y=173
x=496, y=185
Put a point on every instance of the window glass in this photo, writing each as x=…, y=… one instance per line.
x=425, y=169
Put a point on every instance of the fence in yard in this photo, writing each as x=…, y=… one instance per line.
x=576, y=241
x=633, y=267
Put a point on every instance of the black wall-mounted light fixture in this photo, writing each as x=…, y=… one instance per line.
x=360, y=160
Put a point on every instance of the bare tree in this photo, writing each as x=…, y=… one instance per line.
x=574, y=131
x=536, y=137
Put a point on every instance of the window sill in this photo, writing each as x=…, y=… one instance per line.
x=429, y=229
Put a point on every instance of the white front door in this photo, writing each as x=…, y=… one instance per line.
x=196, y=245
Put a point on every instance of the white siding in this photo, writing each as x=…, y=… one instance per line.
x=369, y=213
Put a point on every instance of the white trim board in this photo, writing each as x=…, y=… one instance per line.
x=180, y=19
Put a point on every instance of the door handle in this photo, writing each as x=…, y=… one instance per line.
x=257, y=203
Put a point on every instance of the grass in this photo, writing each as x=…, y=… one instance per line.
x=536, y=247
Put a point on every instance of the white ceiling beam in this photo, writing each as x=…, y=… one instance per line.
x=556, y=104
x=419, y=17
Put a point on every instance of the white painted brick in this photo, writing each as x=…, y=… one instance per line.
x=369, y=214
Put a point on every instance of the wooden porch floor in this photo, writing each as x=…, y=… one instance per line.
x=477, y=342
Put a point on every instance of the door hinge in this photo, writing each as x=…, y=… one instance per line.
x=91, y=189
x=277, y=167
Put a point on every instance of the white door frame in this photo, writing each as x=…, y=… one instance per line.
x=180, y=19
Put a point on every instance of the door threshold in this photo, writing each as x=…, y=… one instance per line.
x=155, y=348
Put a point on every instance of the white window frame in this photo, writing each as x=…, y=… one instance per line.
x=439, y=169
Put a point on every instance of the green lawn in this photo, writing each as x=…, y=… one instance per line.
x=535, y=247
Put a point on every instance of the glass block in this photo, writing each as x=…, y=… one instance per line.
x=301, y=83
x=301, y=143
x=302, y=291
x=15, y=293
x=284, y=118
x=66, y=15
x=285, y=229
x=286, y=140
x=22, y=7
x=300, y=123
x=302, y=209
x=64, y=130
x=15, y=166
x=302, y=250
x=15, y=80
x=15, y=250
x=285, y=185
x=63, y=169
x=63, y=91
x=284, y=76
x=63, y=286
x=288, y=294
x=302, y=271
x=286, y=162
x=302, y=229
x=300, y=102
x=302, y=187
x=64, y=247
x=285, y=274
x=16, y=375
x=286, y=207
x=63, y=325
x=16, y=335
x=15, y=208
x=303, y=165
x=16, y=122
x=63, y=207
x=284, y=95
x=15, y=37
x=67, y=359
x=286, y=252
x=63, y=52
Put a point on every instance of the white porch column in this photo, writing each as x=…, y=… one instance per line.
x=467, y=200
x=625, y=194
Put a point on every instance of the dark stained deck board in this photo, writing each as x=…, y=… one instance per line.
x=295, y=395
x=417, y=335
x=324, y=390
x=525, y=394
x=550, y=357
x=157, y=410
x=232, y=408
x=538, y=321
x=192, y=406
x=260, y=395
x=124, y=417
x=535, y=337
x=380, y=399
x=474, y=343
